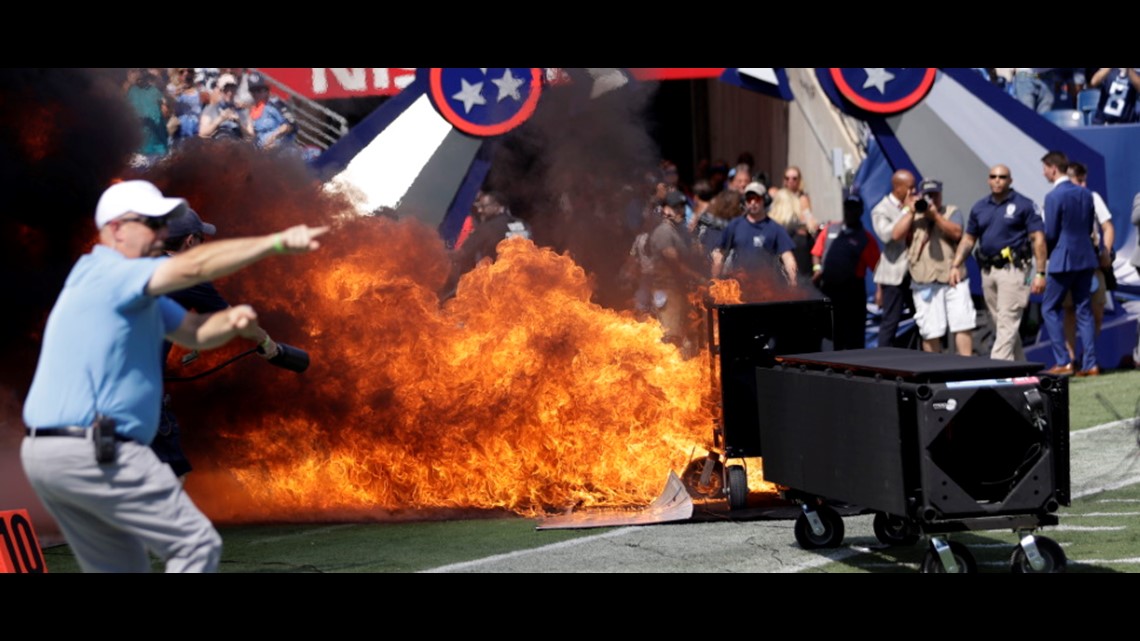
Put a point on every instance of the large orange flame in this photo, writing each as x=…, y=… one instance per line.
x=519, y=393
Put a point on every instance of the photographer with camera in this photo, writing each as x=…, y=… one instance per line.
x=184, y=233
x=939, y=307
x=891, y=219
x=99, y=381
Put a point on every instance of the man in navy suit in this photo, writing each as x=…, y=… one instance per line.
x=1069, y=219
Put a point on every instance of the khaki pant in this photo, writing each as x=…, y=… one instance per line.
x=1007, y=295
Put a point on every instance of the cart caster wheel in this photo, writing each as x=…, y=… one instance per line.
x=894, y=530
x=1052, y=556
x=832, y=526
x=701, y=485
x=737, y=487
x=932, y=562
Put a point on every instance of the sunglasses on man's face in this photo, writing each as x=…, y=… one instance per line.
x=156, y=223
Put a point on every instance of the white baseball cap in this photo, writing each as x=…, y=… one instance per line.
x=137, y=196
x=756, y=187
x=225, y=80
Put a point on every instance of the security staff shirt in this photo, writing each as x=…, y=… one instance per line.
x=1006, y=224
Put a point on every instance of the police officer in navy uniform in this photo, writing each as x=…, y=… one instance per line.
x=1010, y=235
x=1069, y=220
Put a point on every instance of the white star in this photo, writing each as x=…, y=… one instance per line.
x=471, y=95
x=878, y=78
x=508, y=86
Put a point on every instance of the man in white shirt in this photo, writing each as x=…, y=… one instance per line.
x=892, y=219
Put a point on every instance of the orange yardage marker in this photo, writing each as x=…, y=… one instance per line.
x=19, y=547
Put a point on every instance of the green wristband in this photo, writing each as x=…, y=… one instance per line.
x=278, y=244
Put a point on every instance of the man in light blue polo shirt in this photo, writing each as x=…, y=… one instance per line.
x=100, y=371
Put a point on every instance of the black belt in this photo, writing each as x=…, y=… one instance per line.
x=71, y=430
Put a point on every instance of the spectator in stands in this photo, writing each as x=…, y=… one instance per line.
x=207, y=80
x=939, y=309
x=1033, y=87
x=1067, y=83
x=271, y=119
x=1103, y=239
x=189, y=101
x=153, y=109
x=244, y=95
x=1119, y=88
x=1010, y=235
x=892, y=218
x=842, y=254
x=223, y=119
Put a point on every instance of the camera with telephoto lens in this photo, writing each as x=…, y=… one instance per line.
x=921, y=205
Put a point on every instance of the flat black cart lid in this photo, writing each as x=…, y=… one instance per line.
x=913, y=365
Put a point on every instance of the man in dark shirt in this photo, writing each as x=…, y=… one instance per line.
x=753, y=239
x=495, y=223
x=186, y=232
x=1009, y=231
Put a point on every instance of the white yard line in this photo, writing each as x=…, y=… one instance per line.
x=522, y=553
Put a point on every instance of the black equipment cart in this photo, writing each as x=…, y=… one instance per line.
x=931, y=443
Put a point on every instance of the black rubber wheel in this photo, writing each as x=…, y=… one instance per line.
x=894, y=530
x=1050, y=551
x=832, y=534
x=691, y=478
x=737, y=487
x=932, y=563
